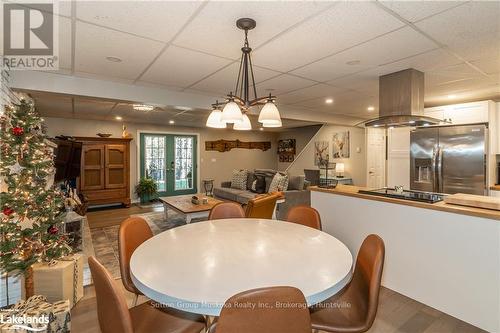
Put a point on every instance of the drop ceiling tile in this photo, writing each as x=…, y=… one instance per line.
x=52, y=105
x=471, y=30
x=92, y=107
x=388, y=48
x=319, y=90
x=417, y=10
x=343, y=26
x=282, y=84
x=214, y=29
x=489, y=66
x=224, y=81
x=94, y=44
x=159, y=20
x=181, y=67
x=339, y=100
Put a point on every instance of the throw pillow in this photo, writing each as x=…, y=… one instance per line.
x=250, y=179
x=239, y=179
x=258, y=185
x=279, y=183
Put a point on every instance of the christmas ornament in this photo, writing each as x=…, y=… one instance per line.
x=15, y=169
x=53, y=230
x=7, y=211
x=17, y=131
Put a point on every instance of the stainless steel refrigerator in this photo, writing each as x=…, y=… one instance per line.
x=449, y=159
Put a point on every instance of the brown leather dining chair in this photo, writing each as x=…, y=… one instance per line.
x=263, y=319
x=114, y=316
x=262, y=207
x=133, y=232
x=304, y=215
x=362, y=294
x=226, y=210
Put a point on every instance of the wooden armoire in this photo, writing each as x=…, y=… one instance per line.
x=105, y=170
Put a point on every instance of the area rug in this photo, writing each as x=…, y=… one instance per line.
x=105, y=240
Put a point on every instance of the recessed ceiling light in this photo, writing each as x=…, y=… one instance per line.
x=329, y=100
x=261, y=129
x=183, y=108
x=353, y=62
x=391, y=127
x=452, y=96
x=370, y=108
x=412, y=121
x=171, y=122
x=113, y=59
x=143, y=107
x=118, y=118
x=426, y=124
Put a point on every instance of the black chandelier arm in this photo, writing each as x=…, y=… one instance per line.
x=239, y=76
x=253, y=77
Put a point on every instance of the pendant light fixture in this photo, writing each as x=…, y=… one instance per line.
x=237, y=105
x=215, y=118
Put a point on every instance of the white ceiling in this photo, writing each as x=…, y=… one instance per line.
x=81, y=107
x=301, y=48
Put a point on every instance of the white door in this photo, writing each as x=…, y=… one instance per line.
x=375, y=157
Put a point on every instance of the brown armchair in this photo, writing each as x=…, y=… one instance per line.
x=262, y=207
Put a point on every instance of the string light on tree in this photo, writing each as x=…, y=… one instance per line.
x=31, y=210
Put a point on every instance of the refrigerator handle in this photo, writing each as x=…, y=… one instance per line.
x=440, y=169
x=433, y=168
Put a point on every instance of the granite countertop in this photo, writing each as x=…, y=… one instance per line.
x=352, y=191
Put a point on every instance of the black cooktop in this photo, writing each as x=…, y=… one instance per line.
x=405, y=195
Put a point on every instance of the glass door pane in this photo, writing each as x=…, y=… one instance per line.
x=184, y=172
x=155, y=160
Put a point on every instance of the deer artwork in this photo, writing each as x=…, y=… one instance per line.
x=321, y=148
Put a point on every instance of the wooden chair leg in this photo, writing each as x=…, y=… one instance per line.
x=136, y=298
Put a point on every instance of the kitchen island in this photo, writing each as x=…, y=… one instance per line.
x=445, y=256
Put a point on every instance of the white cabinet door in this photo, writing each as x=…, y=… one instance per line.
x=435, y=112
x=375, y=157
x=476, y=112
x=495, y=194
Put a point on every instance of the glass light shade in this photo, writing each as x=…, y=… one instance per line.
x=244, y=125
x=270, y=116
x=215, y=119
x=232, y=113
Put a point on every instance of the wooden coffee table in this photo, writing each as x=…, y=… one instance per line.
x=182, y=204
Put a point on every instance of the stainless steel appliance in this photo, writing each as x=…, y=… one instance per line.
x=405, y=195
x=449, y=159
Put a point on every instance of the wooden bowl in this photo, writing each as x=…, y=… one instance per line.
x=104, y=135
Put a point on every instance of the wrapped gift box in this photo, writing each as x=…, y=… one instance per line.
x=61, y=280
x=36, y=312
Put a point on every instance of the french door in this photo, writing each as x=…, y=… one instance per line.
x=171, y=161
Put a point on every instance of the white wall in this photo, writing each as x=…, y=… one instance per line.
x=302, y=137
x=355, y=165
x=212, y=164
x=448, y=261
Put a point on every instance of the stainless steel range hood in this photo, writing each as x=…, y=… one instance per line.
x=401, y=101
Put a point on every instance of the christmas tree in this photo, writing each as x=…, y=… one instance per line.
x=30, y=205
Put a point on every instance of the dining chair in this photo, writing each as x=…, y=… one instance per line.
x=261, y=313
x=133, y=232
x=226, y=210
x=262, y=207
x=312, y=175
x=304, y=215
x=362, y=293
x=114, y=316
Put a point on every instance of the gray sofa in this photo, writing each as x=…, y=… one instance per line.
x=296, y=194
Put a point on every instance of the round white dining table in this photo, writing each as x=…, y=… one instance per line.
x=197, y=267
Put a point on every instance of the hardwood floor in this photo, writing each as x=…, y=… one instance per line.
x=396, y=313
x=100, y=218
